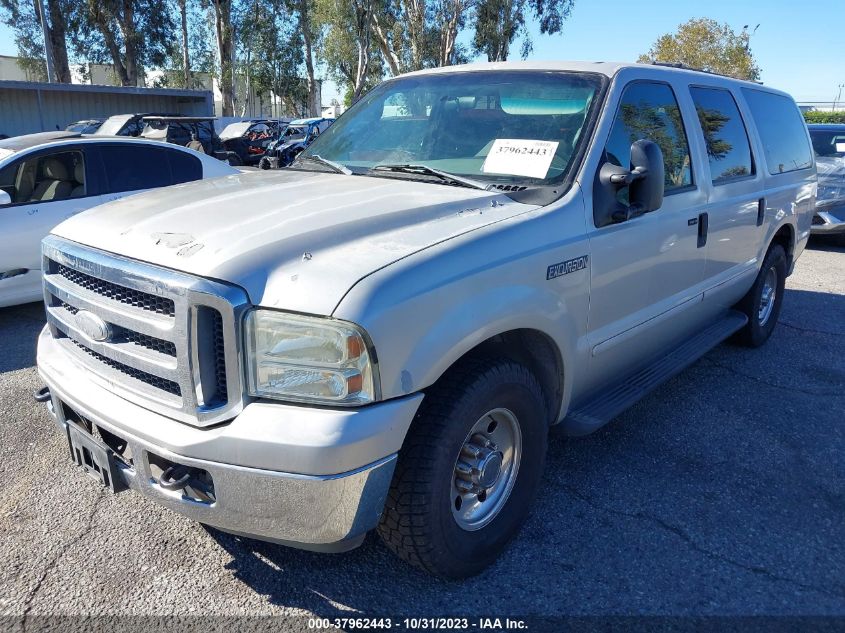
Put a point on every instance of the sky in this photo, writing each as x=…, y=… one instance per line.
x=799, y=47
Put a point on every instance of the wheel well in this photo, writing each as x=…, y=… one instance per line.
x=785, y=237
x=538, y=352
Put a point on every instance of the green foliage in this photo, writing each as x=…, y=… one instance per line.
x=704, y=43
x=825, y=117
x=499, y=22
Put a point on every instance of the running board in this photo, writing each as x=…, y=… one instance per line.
x=607, y=404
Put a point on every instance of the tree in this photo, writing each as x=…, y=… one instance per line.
x=23, y=16
x=499, y=22
x=705, y=44
x=225, y=52
x=131, y=34
x=309, y=29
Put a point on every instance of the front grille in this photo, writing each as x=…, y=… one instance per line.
x=143, y=300
x=107, y=312
x=168, y=348
x=154, y=381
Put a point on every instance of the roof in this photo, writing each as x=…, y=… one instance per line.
x=29, y=141
x=179, y=119
x=825, y=126
x=18, y=143
x=40, y=85
x=608, y=69
x=313, y=119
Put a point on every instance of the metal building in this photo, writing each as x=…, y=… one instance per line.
x=27, y=106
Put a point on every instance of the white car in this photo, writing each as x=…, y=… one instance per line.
x=46, y=178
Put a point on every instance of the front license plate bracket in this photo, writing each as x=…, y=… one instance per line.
x=97, y=460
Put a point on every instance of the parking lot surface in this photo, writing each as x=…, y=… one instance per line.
x=721, y=493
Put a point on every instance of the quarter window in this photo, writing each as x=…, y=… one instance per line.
x=724, y=134
x=650, y=111
x=781, y=129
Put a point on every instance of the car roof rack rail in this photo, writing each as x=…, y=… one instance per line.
x=682, y=66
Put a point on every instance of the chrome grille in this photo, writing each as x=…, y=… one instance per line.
x=165, y=340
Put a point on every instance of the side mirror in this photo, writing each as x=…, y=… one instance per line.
x=644, y=181
x=5, y=198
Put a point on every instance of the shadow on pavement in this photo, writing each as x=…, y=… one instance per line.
x=20, y=326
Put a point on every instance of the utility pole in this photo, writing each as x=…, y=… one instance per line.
x=838, y=96
x=48, y=46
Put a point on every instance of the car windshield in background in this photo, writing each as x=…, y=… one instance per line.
x=113, y=125
x=829, y=143
x=294, y=133
x=504, y=127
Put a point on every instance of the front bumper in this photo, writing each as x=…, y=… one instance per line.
x=305, y=477
x=827, y=222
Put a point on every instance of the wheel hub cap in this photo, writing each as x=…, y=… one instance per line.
x=767, y=297
x=485, y=469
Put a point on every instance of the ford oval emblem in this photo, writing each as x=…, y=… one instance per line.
x=93, y=326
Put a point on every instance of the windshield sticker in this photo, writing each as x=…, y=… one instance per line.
x=520, y=157
x=840, y=147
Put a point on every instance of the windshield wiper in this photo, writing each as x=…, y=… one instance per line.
x=425, y=170
x=340, y=169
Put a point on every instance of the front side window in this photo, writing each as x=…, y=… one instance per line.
x=650, y=111
x=782, y=131
x=724, y=134
x=509, y=127
x=45, y=178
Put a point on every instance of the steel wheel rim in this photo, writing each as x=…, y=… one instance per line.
x=767, y=297
x=485, y=469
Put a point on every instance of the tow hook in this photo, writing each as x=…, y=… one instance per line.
x=42, y=395
x=176, y=477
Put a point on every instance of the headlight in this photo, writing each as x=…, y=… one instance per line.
x=308, y=359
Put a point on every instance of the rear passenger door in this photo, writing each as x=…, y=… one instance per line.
x=133, y=167
x=733, y=214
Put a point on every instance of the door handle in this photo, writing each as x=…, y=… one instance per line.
x=702, y=229
x=761, y=211
x=17, y=272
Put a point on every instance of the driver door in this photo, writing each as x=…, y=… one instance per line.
x=647, y=270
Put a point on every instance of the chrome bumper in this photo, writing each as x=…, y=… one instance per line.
x=344, y=459
x=831, y=226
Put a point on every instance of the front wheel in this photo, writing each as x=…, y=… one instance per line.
x=763, y=302
x=468, y=470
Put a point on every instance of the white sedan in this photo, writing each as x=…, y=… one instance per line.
x=46, y=178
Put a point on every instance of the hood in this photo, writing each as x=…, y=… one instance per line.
x=292, y=239
x=831, y=175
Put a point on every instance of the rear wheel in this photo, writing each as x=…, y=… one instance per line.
x=469, y=469
x=763, y=302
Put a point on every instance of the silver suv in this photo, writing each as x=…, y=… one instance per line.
x=382, y=335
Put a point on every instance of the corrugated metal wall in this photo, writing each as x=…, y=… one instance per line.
x=20, y=112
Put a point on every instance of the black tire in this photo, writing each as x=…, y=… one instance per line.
x=418, y=523
x=756, y=332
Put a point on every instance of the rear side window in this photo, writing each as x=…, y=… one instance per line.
x=650, y=111
x=184, y=167
x=781, y=129
x=132, y=167
x=724, y=133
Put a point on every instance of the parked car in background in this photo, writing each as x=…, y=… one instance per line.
x=126, y=124
x=250, y=139
x=195, y=133
x=829, y=147
x=48, y=177
x=88, y=126
x=298, y=135
x=381, y=335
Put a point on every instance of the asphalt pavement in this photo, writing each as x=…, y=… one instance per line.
x=723, y=493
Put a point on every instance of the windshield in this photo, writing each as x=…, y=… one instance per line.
x=113, y=125
x=829, y=143
x=294, y=133
x=504, y=127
